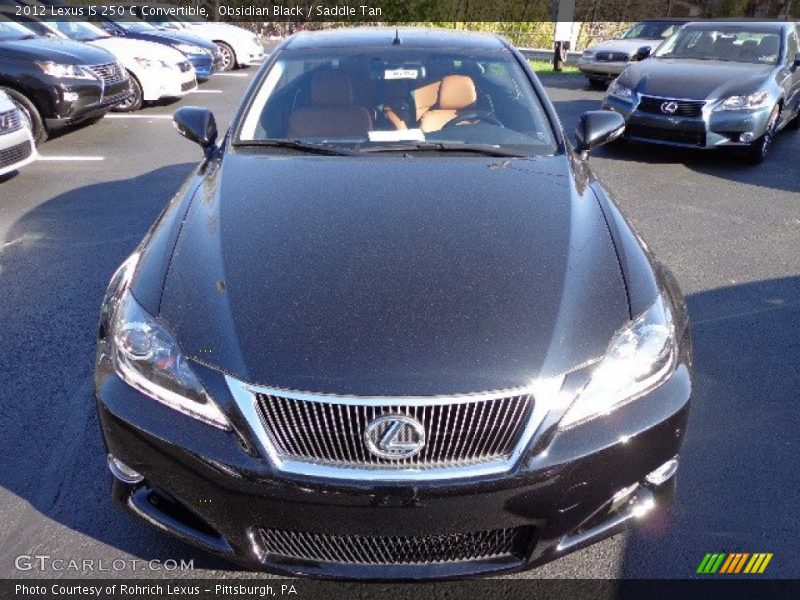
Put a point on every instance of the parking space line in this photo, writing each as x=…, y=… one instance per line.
x=231, y=75
x=206, y=92
x=138, y=117
x=71, y=158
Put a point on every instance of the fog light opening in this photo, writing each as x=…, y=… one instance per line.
x=663, y=473
x=746, y=137
x=622, y=496
x=122, y=471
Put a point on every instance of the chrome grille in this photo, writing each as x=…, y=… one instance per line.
x=397, y=550
x=10, y=120
x=109, y=73
x=683, y=108
x=459, y=431
x=612, y=56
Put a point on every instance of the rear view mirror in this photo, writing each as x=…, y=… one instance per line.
x=597, y=127
x=642, y=53
x=198, y=125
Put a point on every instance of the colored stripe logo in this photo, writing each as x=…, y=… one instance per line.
x=733, y=563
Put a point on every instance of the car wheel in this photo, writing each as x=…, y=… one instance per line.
x=759, y=149
x=228, y=62
x=30, y=113
x=134, y=100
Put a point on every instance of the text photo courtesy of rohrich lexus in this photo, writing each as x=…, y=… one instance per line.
x=375, y=300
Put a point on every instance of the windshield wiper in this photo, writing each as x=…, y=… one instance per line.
x=485, y=149
x=309, y=147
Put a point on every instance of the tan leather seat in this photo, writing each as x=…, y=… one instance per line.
x=332, y=112
x=456, y=93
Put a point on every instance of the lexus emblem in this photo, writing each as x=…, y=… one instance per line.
x=5, y=122
x=669, y=107
x=394, y=437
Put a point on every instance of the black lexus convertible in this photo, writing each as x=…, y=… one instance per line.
x=393, y=326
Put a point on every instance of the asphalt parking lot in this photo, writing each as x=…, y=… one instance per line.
x=729, y=231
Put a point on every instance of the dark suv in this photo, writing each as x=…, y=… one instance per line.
x=57, y=82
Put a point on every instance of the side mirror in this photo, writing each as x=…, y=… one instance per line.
x=595, y=128
x=198, y=125
x=642, y=53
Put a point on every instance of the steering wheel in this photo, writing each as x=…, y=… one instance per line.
x=474, y=115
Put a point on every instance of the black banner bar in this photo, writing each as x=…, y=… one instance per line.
x=417, y=11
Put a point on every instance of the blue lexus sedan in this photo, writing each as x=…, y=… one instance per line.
x=203, y=55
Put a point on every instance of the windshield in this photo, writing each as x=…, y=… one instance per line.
x=651, y=30
x=10, y=32
x=83, y=32
x=724, y=43
x=384, y=96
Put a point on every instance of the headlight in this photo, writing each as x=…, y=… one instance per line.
x=620, y=91
x=588, y=54
x=755, y=100
x=61, y=71
x=147, y=357
x=190, y=49
x=639, y=357
x=148, y=63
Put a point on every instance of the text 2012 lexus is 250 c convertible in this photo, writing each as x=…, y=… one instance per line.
x=393, y=326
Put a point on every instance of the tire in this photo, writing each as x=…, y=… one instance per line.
x=30, y=113
x=134, y=101
x=228, y=62
x=759, y=150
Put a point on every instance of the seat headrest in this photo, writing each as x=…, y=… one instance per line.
x=331, y=88
x=457, y=92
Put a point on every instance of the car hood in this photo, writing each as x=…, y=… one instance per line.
x=56, y=50
x=127, y=49
x=221, y=30
x=694, y=79
x=630, y=46
x=179, y=37
x=391, y=275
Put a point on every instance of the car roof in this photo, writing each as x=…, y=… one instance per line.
x=410, y=37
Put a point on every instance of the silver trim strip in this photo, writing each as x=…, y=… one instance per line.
x=545, y=393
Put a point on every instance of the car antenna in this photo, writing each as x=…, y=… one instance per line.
x=396, y=41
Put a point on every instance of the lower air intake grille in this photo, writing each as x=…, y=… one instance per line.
x=675, y=136
x=15, y=154
x=397, y=550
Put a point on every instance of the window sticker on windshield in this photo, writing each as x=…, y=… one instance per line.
x=401, y=73
x=401, y=135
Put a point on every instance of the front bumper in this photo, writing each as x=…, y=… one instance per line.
x=76, y=102
x=601, y=69
x=16, y=150
x=167, y=83
x=204, y=65
x=713, y=129
x=249, y=54
x=212, y=488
